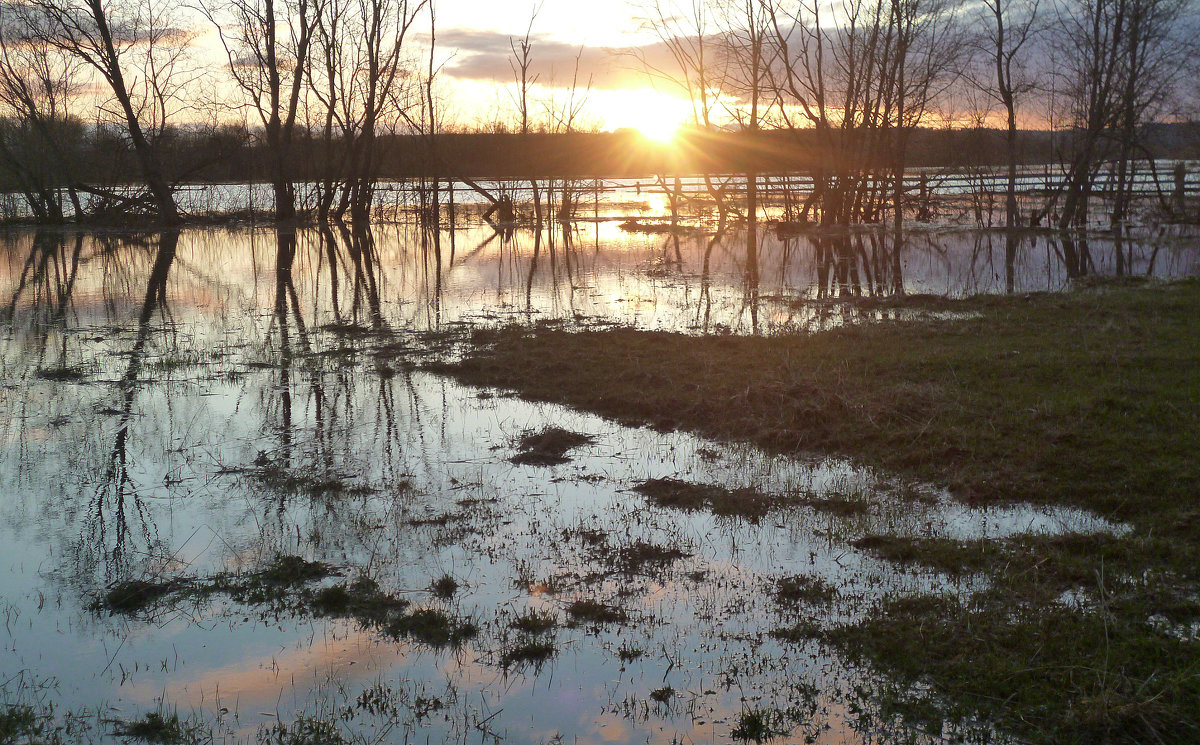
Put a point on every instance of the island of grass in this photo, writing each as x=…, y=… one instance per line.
x=1089, y=399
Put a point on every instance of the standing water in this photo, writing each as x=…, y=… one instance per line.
x=229, y=494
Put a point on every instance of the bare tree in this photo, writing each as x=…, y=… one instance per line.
x=1008, y=32
x=267, y=45
x=38, y=84
x=363, y=66
x=689, y=32
x=138, y=50
x=521, y=63
x=1125, y=58
x=862, y=85
x=1157, y=49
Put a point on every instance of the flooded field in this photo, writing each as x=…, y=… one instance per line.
x=229, y=493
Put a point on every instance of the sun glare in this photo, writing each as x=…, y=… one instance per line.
x=655, y=116
x=659, y=130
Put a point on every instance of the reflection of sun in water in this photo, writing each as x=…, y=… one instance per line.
x=656, y=116
x=657, y=204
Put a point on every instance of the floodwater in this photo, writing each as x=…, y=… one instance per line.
x=176, y=406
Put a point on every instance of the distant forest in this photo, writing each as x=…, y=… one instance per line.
x=235, y=155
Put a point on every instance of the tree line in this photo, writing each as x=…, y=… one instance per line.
x=96, y=95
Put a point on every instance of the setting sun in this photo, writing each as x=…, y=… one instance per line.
x=656, y=116
x=659, y=130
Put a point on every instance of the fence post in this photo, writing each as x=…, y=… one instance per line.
x=1180, y=185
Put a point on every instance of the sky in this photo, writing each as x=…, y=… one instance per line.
x=473, y=38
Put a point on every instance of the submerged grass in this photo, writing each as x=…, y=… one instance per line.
x=943, y=554
x=800, y=588
x=286, y=584
x=1089, y=399
x=534, y=652
x=19, y=721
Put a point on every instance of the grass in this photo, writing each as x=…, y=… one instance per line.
x=662, y=695
x=303, y=731
x=638, y=555
x=547, y=447
x=594, y=613
x=943, y=554
x=61, y=374
x=18, y=721
x=307, y=480
x=792, y=591
x=760, y=725
x=535, y=622
x=444, y=587
x=1089, y=399
x=286, y=584
x=154, y=727
x=682, y=495
x=132, y=596
x=433, y=627
x=1018, y=402
x=534, y=652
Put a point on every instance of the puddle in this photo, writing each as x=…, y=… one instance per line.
x=204, y=434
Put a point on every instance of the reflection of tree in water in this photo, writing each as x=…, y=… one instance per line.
x=350, y=256
x=96, y=484
x=314, y=468
x=857, y=265
x=1074, y=254
x=41, y=298
x=117, y=509
x=559, y=265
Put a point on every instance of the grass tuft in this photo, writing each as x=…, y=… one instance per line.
x=548, y=447
x=154, y=727
x=792, y=591
x=444, y=587
x=594, y=613
x=689, y=497
x=535, y=622
x=528, y=653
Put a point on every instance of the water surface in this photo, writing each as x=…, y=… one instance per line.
x=175, y=406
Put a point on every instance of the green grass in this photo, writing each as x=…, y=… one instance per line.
x=750, y=504
x=1041, y=399
x=1089, y=399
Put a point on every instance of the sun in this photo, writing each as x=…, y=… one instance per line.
x=655, y=116
x=658, y=130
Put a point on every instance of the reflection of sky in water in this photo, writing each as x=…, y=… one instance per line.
x=138, y=468
x=593, y=271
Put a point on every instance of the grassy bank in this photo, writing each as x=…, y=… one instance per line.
x=1089, y=399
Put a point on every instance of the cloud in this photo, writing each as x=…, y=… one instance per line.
x=486, y=56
